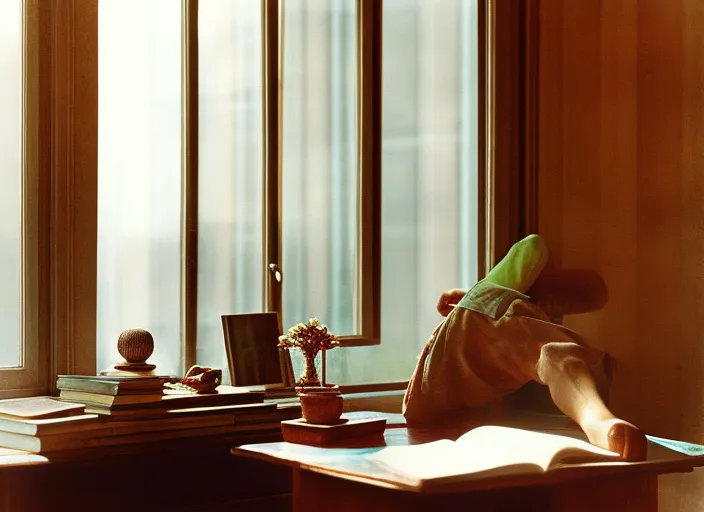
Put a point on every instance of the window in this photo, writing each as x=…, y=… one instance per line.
x=11, y=172
x=21, y=367
x=230, y=177
x=139, y=177
x=319, y=164
x=429, y=205
x=229, y=137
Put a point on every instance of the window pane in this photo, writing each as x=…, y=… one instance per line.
x=230, y=169
x=429, y=183
x=139, y=177
x=319, y=162
x=10, y=180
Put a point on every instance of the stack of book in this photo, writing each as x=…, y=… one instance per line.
x=113, y=394
x=22, y=419
x=43, y=431
x=263, y=417
x=98, y=411
x=127, y=398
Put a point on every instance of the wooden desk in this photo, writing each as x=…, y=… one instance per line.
x=187, y=475
x=342, y=479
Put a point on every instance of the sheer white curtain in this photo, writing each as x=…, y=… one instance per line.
x=429, y=196
x=10, y=180
x=139, y=177
x=230, y=178
x=429, y=173
x=319, y=164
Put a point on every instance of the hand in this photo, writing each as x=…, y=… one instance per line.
x=448, y=299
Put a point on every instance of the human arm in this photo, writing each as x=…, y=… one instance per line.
x=449, y=299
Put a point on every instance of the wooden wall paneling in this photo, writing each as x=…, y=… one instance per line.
x=621, y=189
x=619, y=186
x=686, y=492
x=692, y=261
x=580, y=140
x=659, y=203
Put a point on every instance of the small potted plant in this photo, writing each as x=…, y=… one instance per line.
x=320, y=402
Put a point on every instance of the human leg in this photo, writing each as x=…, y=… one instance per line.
x=564, y=368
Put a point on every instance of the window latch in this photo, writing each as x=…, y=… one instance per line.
x=274, y=268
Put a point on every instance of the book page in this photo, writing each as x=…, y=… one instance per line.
x=541, y=448
x=445, y=459
x=488, y=451
x=38, y=407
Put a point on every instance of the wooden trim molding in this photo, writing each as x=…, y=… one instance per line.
x=74, y=156
x=485, y=164
x=271, y=71
x=189, y=205
x=513, y=118
x=369, y=94
x=30, y=376
x=530, y=30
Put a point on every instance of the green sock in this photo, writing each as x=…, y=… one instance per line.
x=522, y=265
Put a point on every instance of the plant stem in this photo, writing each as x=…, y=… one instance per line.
x=324, y=366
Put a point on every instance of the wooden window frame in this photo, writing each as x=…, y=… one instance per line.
x=29, y=377
x=59, y=200
x=66, y=302
x=369, y=108
x=368, y=280
x=512, y=107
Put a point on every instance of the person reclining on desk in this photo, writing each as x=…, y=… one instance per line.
x=495, y=338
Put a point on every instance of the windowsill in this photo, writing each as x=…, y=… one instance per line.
x=382, y=401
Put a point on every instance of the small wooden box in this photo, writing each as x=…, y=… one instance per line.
x=348, y=432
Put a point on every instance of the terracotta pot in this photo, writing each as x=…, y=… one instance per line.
x=322, y=407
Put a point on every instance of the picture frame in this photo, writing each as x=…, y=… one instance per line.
x=253, y=356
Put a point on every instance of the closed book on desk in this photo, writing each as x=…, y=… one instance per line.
x=235, y=410
x=487, y=452
x=110, y=385
x=173, y=400
x=109, y=400
x=38, y=407
x=124, y=412
x=109, y=433
x=226, y=395
x=63, y=442
x=33, y=427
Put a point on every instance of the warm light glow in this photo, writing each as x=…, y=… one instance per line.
x=139, y=177
x=230, y=175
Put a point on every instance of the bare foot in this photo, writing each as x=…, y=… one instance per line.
x=618, y=436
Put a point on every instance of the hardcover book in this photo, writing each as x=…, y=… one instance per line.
x=110, y=385
x=109, y=400
x=33, y=427
x=119, y=432
x=38, y=407
x=486, y=452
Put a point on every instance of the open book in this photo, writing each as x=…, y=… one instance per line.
x=488, y=451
